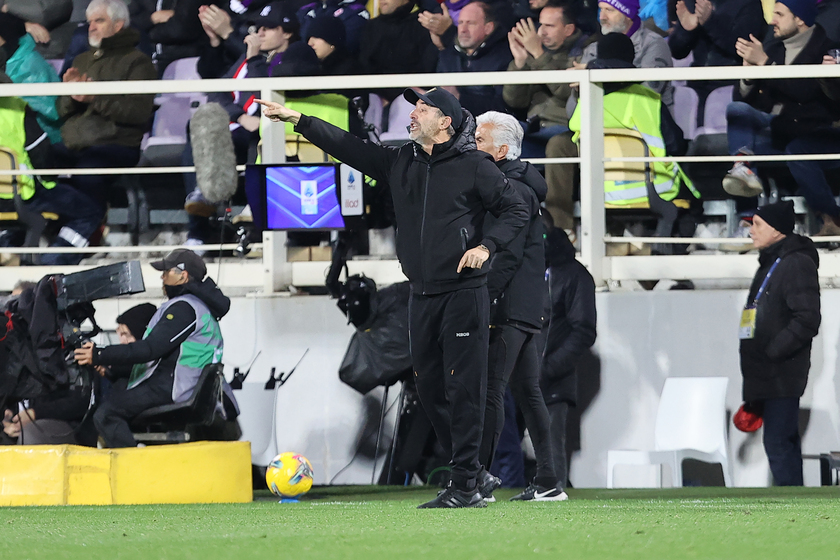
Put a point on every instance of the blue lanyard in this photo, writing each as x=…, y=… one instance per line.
x=766, y=279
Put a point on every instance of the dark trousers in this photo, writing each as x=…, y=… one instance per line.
x=113, y=416
x=110, y=155
x=781, y=440
x=810, y=175
x=558, y=412
x=449, y=342
x=508, y=460
x=513, y=359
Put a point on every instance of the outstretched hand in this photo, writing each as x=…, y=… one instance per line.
x=84, y=355
x=278, y=113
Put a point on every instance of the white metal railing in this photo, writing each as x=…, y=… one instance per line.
x=591, y=149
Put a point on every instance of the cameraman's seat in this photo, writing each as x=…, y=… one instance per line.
x=173, y=423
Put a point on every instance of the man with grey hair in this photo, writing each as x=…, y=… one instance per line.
x=102, y=130
x=515, y=283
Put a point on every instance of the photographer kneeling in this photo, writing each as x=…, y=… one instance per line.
x=183, y=337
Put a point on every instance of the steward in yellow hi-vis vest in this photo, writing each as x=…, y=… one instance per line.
x=639, y=108
x=14, y=137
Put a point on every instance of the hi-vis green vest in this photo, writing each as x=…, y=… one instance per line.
x=637, y=107
x=13, y=137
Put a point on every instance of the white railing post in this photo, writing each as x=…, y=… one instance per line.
x=277, y=268
x=592, y=220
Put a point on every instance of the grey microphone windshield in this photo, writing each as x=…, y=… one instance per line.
x=215, y=160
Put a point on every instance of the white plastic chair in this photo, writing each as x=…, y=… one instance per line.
x=690, y=424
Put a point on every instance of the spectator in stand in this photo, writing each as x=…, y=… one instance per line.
x=637, y=107
x=228, y=28
x=352, y=14
x=276, y=30
x=102, y=130
x=328, y=39
x=622, y=16
x=42, y=18
x=24, y=136
x=555, y=46
x=709, y=30
x=176, y=32
x=396, y=43
x=786, y=115
x=25, y=66
x=481, y=47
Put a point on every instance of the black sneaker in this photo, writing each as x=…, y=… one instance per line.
x=536, y=493
x=487, y=484
x=451, y=497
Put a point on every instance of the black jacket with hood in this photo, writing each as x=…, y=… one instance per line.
x=517, y=274
x=572, y=320
x=164, y=340
x=440, y=200
x=775, y=362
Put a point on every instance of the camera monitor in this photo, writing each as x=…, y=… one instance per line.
x=303, y=196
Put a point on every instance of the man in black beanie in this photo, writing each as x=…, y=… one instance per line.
x=778, y=323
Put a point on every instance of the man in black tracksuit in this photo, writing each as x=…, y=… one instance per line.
x=781, y=318
x=442, y=189
x=569, y=333
x=515, y=283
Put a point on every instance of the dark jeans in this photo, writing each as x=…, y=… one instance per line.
x=199, y=227
x=95, y=186
x=449, y=343
x=508, y=460
x=810, y=175
x=781, y=440
x=513, y=358
x=747, y=127
x=558, y=412
x=114, y=414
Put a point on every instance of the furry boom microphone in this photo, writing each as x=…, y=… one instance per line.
x=215, y=160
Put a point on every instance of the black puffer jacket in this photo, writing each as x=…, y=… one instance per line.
x=776, y=361
x=440, y=200
x=516, y=280
x=573, y=317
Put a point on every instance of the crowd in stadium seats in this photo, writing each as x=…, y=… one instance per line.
x=96, y=40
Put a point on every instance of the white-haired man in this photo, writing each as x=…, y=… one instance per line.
x=102, y=130
x=516, y=283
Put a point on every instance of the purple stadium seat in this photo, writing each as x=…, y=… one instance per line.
x=714, y=120
x=397, y=121
x=685, y=110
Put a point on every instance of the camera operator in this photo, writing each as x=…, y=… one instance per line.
x=183, y=336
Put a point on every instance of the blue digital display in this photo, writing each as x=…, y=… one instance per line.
x=302, y=197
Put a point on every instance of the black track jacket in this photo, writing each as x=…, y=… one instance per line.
x=440, y=201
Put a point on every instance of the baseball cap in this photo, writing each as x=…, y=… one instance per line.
x=747, y=420
x=441, y=99
x=275, y=15
x=183, y=259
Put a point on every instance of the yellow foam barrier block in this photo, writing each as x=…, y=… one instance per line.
x=201, y=472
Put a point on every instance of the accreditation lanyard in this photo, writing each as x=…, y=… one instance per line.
x=747, y=328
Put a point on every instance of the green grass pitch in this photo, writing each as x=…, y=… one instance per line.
x=375, y=522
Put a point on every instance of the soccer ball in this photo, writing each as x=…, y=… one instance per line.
x=289, y=475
